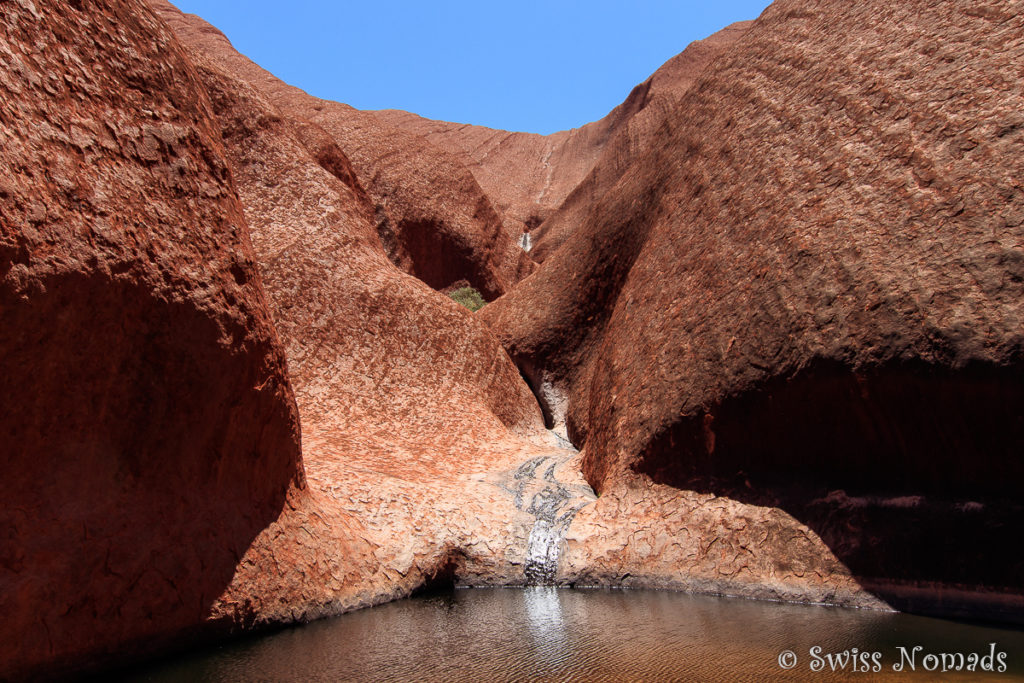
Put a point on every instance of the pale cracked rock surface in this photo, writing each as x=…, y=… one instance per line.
x=690, y=541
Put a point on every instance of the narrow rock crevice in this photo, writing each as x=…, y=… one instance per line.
x=553, y=401
x=529, y=374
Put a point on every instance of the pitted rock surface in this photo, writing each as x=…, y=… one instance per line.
x=780, y=314
x=806, y=293
x=434, y=219
x=148, y=430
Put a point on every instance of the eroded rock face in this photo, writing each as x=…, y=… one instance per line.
x=807, y=294
x=526, y=176
x=544, y=184
x=635, y=122
x=148, y=431
x=784, y=321
x=433, y=218
x=533, y=324
x=415, y=421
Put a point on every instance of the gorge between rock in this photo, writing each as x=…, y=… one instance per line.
x=756, y=333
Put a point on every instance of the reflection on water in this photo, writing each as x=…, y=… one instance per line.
x=546, y=628
x=553, y=634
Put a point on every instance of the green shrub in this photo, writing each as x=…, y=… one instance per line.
x=468, y=297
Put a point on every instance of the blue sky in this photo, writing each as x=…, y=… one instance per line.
x=528, y=65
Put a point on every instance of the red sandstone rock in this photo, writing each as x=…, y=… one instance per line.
x=528, y=176
x=414, y=421
x=699, y=326
x=807, y=293
x=413, y=416
x=532, y=322
x=435, y=221
x=148, y=431
x=163, y=495
x=641, y=115
x=431, y=485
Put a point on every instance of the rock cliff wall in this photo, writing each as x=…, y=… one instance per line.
x=778, y=307
x=148, y=430
x=431, y=214
x=806, y=291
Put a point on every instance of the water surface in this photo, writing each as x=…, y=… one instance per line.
x=553, y=634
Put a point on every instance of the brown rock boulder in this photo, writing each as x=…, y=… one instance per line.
x=148, y=432
x=807, y=293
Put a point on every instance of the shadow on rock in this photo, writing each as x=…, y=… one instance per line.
x=909, y=473
x=155, y=444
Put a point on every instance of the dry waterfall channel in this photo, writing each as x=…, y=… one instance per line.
x=554, y=502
